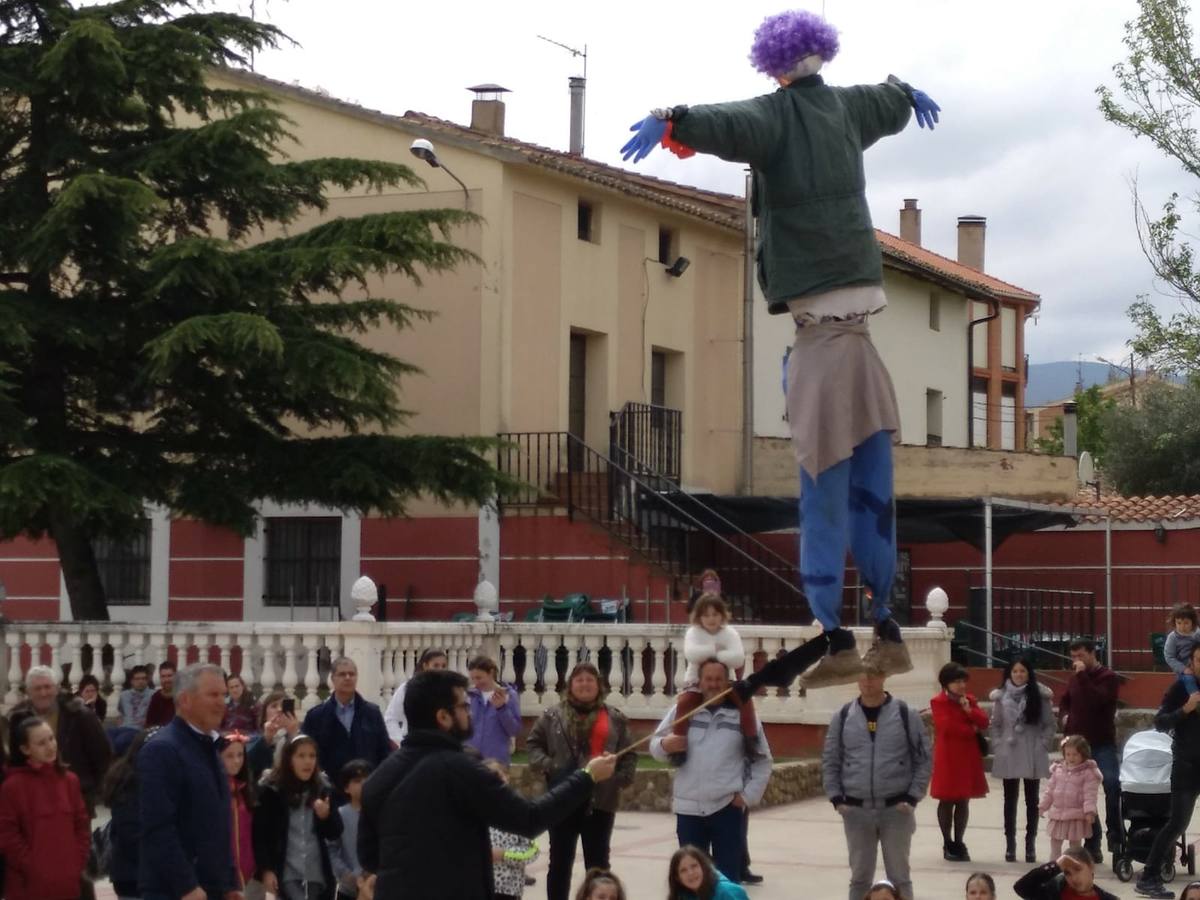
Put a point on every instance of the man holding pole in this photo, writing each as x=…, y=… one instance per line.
x=719, y=780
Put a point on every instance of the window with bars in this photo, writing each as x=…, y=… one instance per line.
x=303, y=561
x=124, y=565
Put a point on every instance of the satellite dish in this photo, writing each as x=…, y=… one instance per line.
x=1087, y=468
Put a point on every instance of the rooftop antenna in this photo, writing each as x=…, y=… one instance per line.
x=578, y=87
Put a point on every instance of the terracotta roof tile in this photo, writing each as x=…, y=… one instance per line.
x=724, y=210
x=1139, y=509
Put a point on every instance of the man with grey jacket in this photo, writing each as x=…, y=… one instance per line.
x=719, y=780
x=876, y=765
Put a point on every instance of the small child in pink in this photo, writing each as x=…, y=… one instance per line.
x=1069, y=800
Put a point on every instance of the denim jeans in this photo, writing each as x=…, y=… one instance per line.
x=1106, y=758
x=719, y=835
x=849, y=503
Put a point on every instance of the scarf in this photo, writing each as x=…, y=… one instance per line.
x=587, y=725
x=1014, y=697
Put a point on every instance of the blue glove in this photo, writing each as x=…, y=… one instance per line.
x=649, y=135
x=927, y=110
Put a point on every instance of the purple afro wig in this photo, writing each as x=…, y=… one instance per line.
x=782, y=40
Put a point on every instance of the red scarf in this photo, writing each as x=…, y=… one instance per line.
x=599, y=732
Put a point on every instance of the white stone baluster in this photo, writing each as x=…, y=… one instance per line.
x=137, y=644
x=12, y=639
x=779, y=699
x=54, y=641
x=616, y=697
x=677, y=674
x=387, y=683
x=508, y=672
x=95, y=641
x=529, y=697
x=658, y=680
x=75, y=658
x=290, y=677
x=312, y=681
x=156, y=652
x=637, y=672
x=266, y=643
x=225, y=645
x=117, y=675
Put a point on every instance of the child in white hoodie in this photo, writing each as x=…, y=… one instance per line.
x=712, y=637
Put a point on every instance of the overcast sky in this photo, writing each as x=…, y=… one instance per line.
x=1021, y=141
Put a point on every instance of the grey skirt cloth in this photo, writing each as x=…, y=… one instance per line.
x=839, y=393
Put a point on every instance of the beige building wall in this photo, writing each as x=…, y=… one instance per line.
x=495, y=356
x=919, y=357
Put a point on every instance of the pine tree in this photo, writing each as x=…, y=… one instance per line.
x=154, y=345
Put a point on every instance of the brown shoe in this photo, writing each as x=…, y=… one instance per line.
x=843, y=667
x=888, y=658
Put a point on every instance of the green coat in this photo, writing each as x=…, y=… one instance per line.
x=805, y=143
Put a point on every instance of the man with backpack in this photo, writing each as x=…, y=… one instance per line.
x=876, y=766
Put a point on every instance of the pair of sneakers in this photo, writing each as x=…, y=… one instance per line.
x=842, y=665
x=1151, y=885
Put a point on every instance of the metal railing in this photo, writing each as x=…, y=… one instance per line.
x=647, y=440
x=557, y=470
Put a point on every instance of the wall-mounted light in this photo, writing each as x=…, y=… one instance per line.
x=678, y=267
x=1160, y=533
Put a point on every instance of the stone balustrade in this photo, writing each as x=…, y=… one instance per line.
x=643, y=663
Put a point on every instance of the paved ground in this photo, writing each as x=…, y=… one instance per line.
x=801, y=852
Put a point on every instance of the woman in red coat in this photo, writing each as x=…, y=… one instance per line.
x=44, y=831
x=957, y=757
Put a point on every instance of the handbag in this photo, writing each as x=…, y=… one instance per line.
x=981, y=739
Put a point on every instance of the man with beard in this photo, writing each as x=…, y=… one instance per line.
x=423, y=832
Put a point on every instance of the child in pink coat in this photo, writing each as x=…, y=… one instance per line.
x=1069, y=800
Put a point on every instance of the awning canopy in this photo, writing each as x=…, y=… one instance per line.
x=917, y=521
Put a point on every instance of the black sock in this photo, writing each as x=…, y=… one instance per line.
x=841, y=639
x=945, y=816
x=961, y=810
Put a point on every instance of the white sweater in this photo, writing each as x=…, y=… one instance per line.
x=699, y=646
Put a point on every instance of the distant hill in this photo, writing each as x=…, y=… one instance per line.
x=1057, y=380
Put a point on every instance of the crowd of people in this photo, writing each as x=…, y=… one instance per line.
x=230, y=796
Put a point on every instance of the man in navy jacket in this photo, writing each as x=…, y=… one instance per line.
x=185, y=851
x=346, y=726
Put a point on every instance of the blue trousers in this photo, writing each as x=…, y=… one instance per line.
x=1109, y=764
x=719, y=835
x=850, y=505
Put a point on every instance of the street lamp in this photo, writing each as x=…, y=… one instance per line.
x=423, y=149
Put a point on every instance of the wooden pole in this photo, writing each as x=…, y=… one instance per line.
x=707, y=703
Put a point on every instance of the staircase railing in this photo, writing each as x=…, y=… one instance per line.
x=647, y=440
x=557, y=470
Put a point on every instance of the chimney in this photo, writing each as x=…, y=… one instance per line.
x=971, y=232
x=1070, y=430
x=578, y=86
x=910, y=222
x=487, y=110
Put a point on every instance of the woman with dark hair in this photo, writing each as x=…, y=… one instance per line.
x=89, y=693
x=561, y=741
x=393, y=716
x=958, y=725
x=293, y=825
x=275, y=726
x=693, y=876
x=120, y=794
x=44, y=823
x=1022, y=725
x=241, y=711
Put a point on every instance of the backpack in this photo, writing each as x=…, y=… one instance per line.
x=914, y=753
x=100, y=855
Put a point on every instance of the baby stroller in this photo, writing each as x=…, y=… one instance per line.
x=1146, y=805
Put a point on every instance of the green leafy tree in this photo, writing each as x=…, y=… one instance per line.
x=1155, y=448
x=1160, y=84
x=1090, y=407
x=154, y=344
